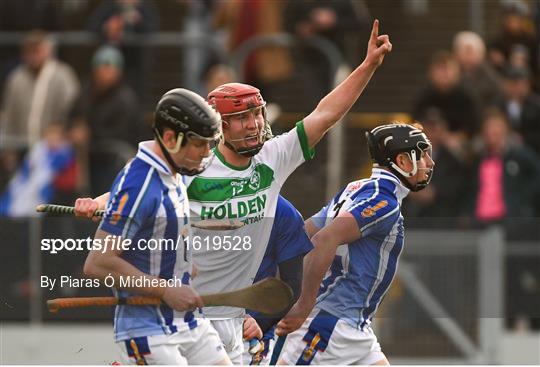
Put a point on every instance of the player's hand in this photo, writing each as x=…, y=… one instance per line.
x=294, y=318
x=378, y=46
x=182, y=298
x=86, y=207
x=251, y=329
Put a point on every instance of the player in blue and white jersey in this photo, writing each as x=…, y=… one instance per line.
x=364, y=226
x=244, y=180
x=148, y=201
x=287, y=246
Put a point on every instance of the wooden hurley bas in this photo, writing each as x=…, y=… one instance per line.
x=269, y=296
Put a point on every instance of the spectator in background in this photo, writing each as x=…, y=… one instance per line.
x=217, y=75
x=38, y=92
x=446, y=92
x=477, y=75
x=516, y=40
x=269, y=66
x=442, y=199
x=505, y=179
x=336, y=21
x=522, y=106
x=117, y=20
x=105, y=118
x=47, y=174
x=23, y=16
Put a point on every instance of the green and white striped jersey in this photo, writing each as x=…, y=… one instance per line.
x=228, y=260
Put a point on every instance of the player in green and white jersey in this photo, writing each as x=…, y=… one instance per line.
x=244, y=180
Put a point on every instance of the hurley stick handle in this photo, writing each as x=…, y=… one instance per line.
x=62, y=209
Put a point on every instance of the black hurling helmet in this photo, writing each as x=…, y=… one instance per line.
x=189, y=116
x=385, y=142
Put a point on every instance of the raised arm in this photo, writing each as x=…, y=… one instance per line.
x=340, y=100
x=343, y=229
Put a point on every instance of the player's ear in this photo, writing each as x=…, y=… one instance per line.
x=403, y=161
x=169, y=138
x=224, y=124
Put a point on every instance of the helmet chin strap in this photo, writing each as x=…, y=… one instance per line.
x=403, y=174
x=412, y=157
x=245, y=152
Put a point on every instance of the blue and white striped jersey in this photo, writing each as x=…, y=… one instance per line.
x=363, y=270
x=148, y=202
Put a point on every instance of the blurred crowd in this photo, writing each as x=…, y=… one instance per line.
x=65, y=134
x=62, y=135
x=479, y=106
x=481, y=109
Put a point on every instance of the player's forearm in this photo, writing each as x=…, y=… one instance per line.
x=316, y=263
x=337, y=103
x=290, y=271
x=102, y=200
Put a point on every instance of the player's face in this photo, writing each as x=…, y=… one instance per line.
x=192, y=154
x=244, y=129
x=36, y=55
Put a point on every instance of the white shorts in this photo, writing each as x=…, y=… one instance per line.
x=198, y=346
x=263, y=356
x=324, y=339
x=231, y=332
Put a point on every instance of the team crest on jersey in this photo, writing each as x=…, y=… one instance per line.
x=371, y=210
x=118, y=213
x=354, y=186
x=255, y=181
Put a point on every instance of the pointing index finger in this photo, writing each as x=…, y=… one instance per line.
x=375, y=29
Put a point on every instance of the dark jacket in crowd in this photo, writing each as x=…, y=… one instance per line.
x=484, y=84
x=528, y=125
x=113, y=115
x=448, y=183
x=457, y=107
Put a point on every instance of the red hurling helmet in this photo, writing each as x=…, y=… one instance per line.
x=236, y=98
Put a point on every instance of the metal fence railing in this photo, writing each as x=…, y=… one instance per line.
x=452, y=296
